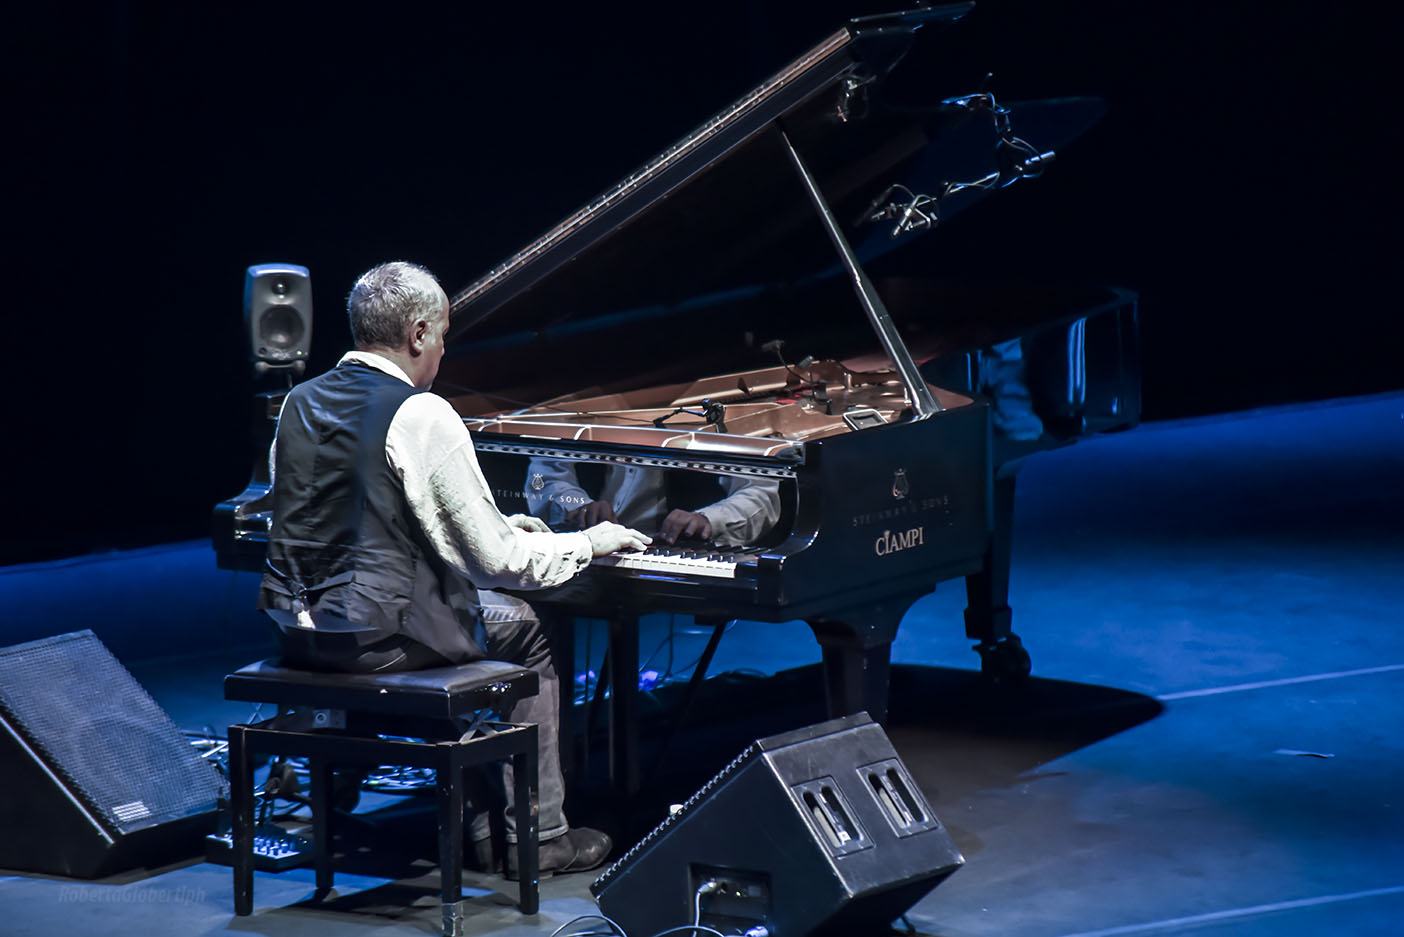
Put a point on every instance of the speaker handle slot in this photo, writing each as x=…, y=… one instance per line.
x=884, y=798
x=840, y=819
x=833, y=819
x=895, y=783
x=817, y=812
x=898, y=798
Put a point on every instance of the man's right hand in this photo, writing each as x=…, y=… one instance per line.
x=596, y=512
x=609, y=538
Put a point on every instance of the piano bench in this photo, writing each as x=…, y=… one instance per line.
x=419, y=718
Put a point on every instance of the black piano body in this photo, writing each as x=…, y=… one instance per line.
x=722, y=287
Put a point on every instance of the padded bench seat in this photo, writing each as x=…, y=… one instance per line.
x=439, y=693
x=338, y=720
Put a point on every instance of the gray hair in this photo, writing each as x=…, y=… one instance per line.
x=386, y=301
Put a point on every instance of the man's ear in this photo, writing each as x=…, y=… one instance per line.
x=419, y=330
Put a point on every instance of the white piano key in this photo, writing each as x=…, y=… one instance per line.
x=669, y=565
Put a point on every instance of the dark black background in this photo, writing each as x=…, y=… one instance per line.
x=1242, y=181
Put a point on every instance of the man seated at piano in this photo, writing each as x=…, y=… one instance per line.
x=385, y=538
x=677, y=504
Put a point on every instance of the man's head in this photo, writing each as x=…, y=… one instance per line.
x=399, y=310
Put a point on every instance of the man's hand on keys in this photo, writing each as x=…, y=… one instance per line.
x=607, y=538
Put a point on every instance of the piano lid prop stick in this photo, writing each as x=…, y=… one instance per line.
x=923, y=401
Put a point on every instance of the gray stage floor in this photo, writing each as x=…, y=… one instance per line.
x=1211, y=743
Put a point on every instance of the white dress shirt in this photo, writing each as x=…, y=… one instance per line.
x=431, y=451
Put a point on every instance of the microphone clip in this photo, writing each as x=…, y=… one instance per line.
x=713, y=411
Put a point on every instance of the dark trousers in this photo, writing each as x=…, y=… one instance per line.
x=514, y=634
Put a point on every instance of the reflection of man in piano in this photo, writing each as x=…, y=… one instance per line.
x=1004, y=380
x=384, y=532
x=727, y=510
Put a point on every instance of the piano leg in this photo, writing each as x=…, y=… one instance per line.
x=857, y=645
x=988, y=618
x=624, y=703
x=855, y=680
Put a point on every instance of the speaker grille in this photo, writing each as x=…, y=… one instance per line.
x=280, y=330
x=96, y=728
x=750, y=753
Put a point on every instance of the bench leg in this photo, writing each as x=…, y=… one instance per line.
x=320, y=782
x=450, y=783
x=242, y=822
x=525, y=783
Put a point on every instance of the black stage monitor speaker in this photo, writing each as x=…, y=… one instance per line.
x=821, y=831
x=278, y=315
x=94, y=776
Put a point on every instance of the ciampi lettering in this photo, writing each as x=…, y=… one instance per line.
x=889, y=542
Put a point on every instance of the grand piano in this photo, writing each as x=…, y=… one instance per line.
x=710, y=316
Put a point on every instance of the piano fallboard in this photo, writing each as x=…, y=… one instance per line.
x=914, y=509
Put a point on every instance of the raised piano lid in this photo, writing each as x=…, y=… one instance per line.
x=691, y=264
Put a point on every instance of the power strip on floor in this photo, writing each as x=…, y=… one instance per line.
x=275, y=849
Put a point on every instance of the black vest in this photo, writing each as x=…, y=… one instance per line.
x=344, y=544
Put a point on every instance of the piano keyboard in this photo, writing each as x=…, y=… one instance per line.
x=718, y=562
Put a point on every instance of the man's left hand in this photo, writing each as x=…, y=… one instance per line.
x=528, y=523
x=680, y=523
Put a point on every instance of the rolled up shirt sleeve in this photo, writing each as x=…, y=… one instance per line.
x=431, y=450
x=750, y=509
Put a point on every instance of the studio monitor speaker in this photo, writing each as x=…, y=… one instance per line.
x=278, y=315
x=94, y=776
x=821, y=831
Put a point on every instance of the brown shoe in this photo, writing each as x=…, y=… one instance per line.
x=579, y=850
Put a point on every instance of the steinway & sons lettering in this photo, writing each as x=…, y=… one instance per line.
x=903, y=509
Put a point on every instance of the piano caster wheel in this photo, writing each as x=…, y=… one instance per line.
x=1004, y=661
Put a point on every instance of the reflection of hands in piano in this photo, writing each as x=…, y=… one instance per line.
x=609, y=538
x=680, y=523
x=528, y=523
x=596, y=512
